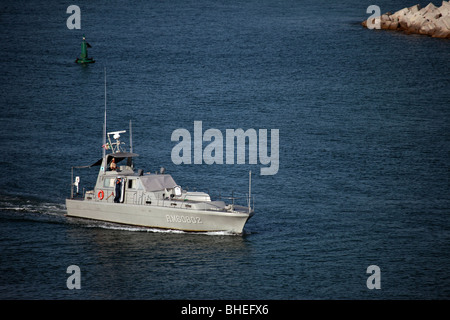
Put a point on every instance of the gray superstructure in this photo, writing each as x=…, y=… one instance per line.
x=130, y=197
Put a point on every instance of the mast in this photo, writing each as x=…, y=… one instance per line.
x=104, y=124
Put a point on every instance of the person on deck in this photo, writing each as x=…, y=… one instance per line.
x=118, y=190
x=113, y=165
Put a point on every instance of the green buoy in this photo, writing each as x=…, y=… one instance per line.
x=84, y=54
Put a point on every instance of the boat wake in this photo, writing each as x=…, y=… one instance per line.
x=28, y=208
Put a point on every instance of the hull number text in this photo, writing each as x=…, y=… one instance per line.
x=184, y=219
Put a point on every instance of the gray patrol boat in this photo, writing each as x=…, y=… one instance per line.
x=125, y=196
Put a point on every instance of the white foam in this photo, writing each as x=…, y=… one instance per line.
x=112, y=226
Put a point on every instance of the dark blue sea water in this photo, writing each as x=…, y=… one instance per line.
x=364, y=148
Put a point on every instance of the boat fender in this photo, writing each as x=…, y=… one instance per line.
x=101, y=194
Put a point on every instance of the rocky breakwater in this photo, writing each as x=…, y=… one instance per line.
x=430, y=20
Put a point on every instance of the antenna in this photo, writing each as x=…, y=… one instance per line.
x=131, y=139
x=104, y=124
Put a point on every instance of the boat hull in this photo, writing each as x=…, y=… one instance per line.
x=158, y=217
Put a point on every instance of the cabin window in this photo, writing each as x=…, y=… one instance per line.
x=131, y=184
x=108, y=183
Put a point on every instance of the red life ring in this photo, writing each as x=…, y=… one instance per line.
x=101, y=194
